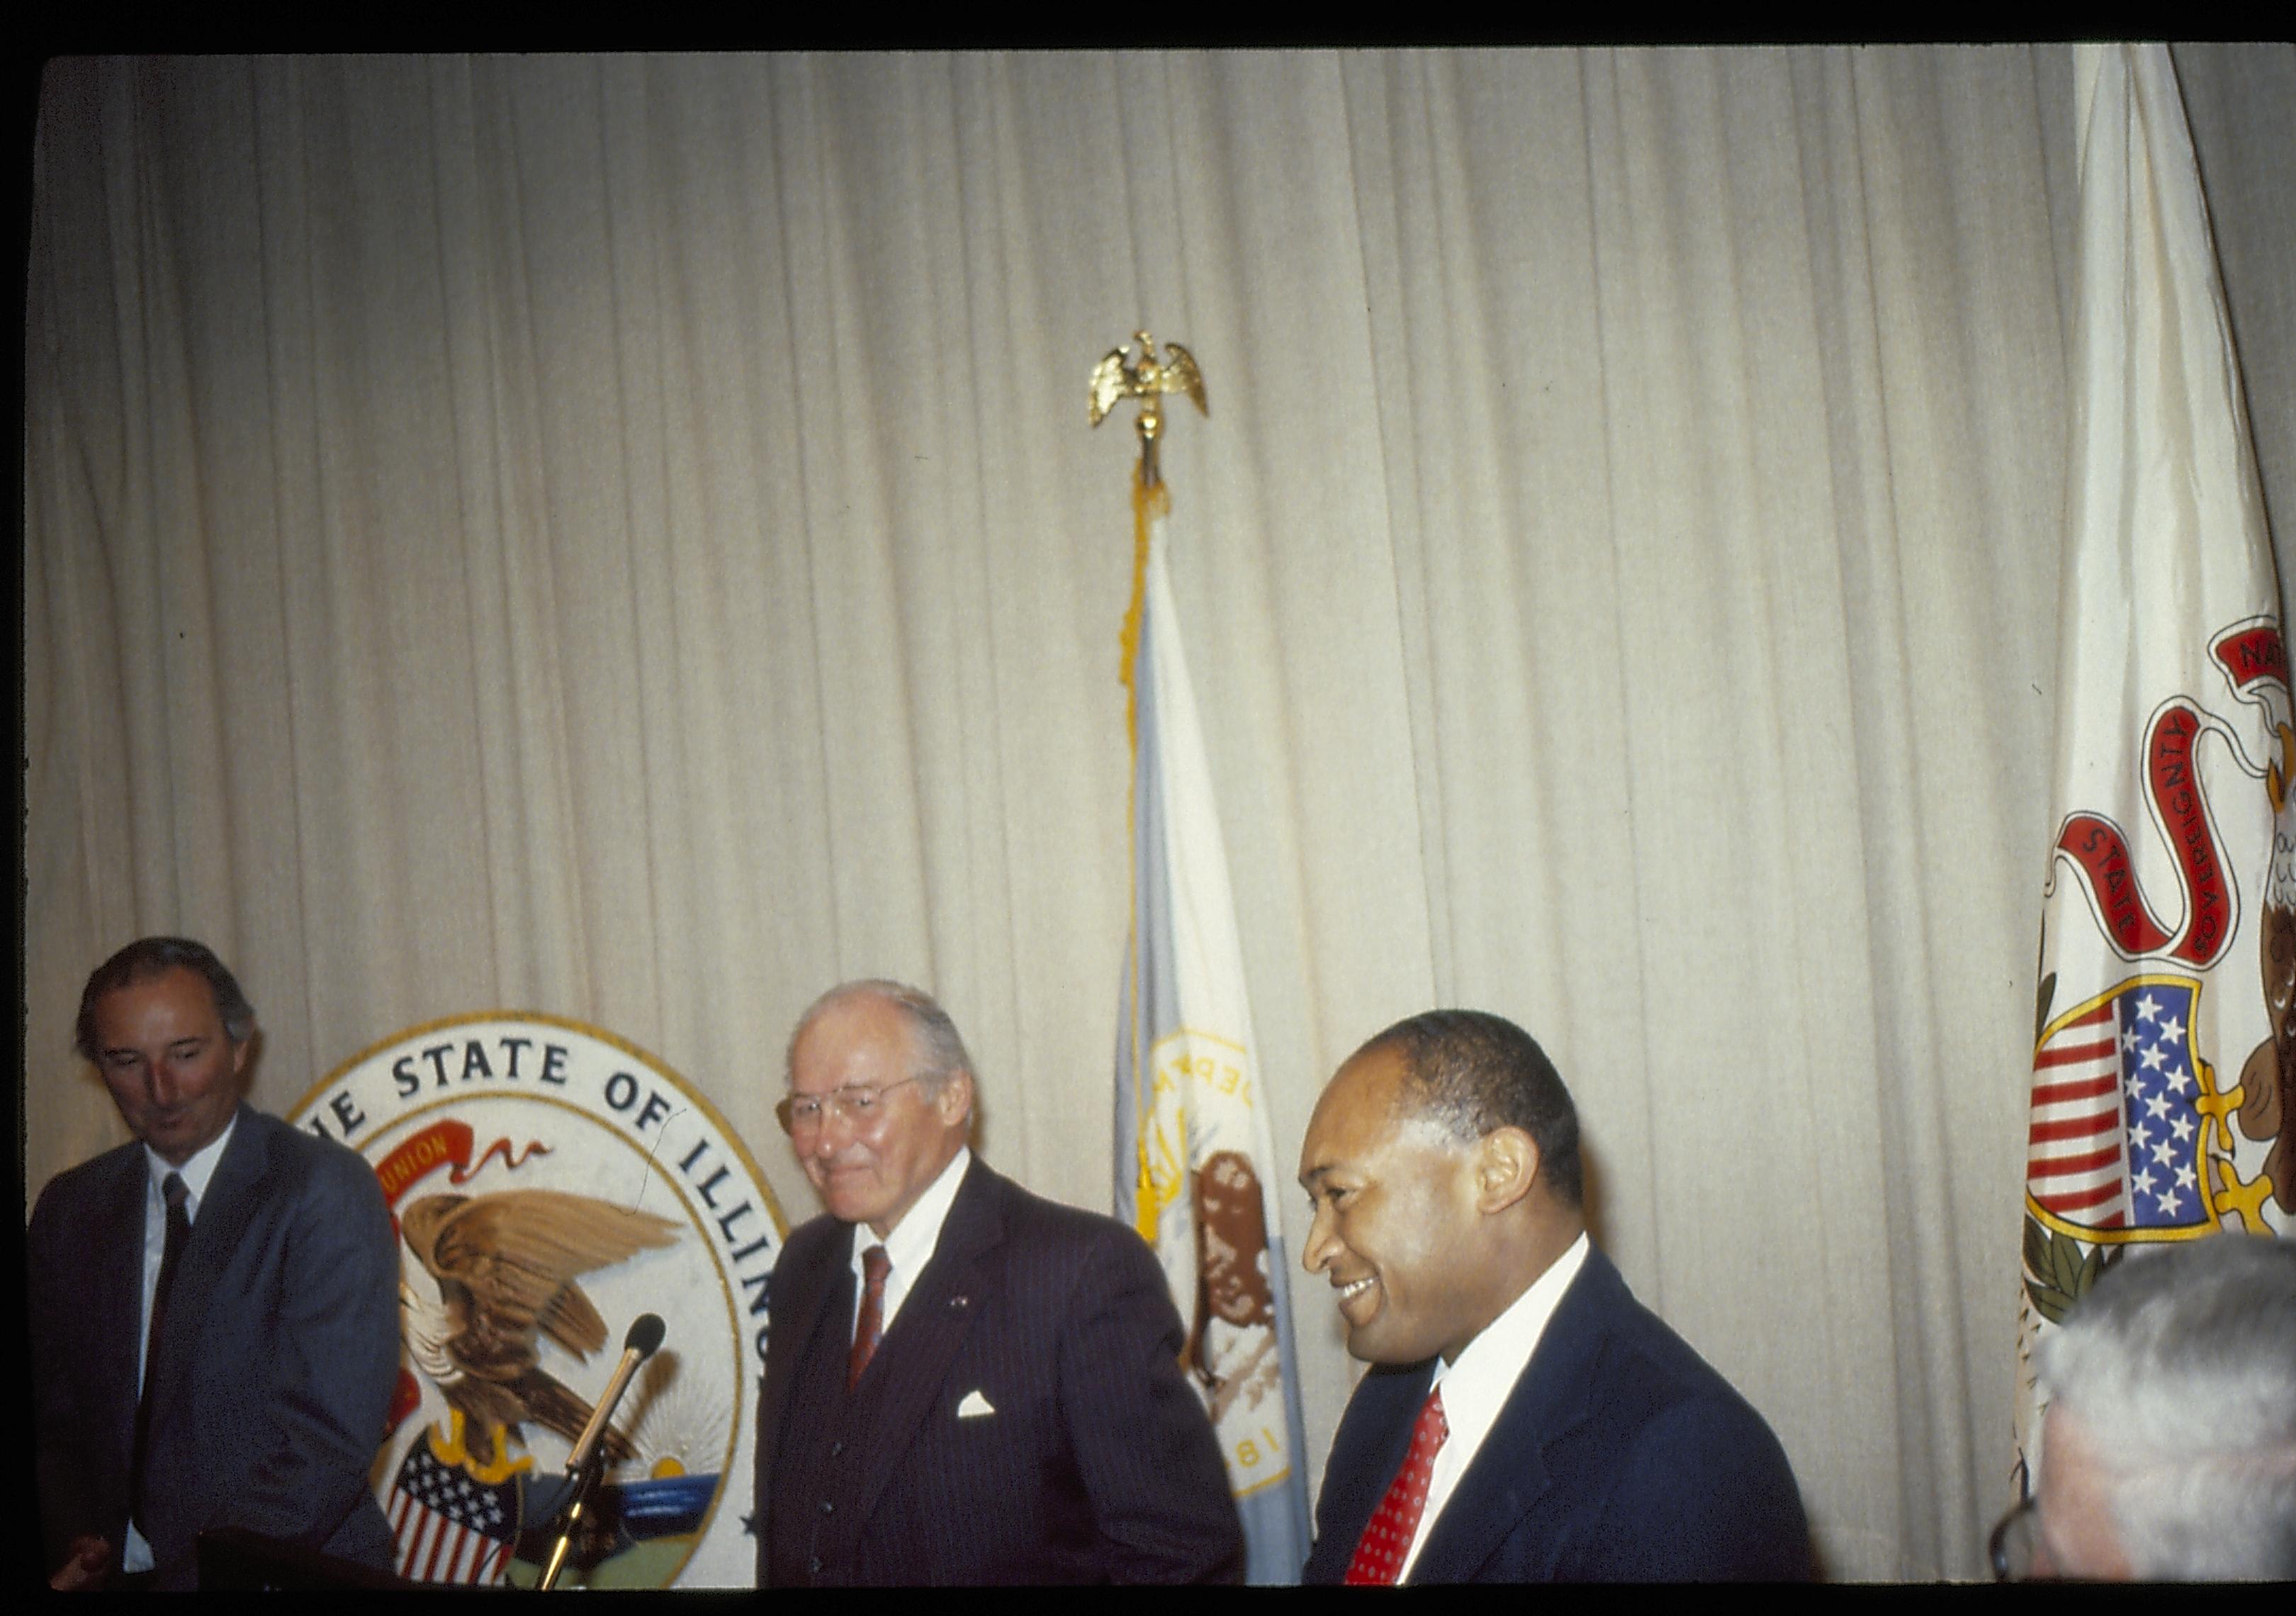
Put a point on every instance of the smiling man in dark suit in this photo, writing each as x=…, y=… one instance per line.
x=964, y=1383
x=1525, y=1418
x=213, y=1307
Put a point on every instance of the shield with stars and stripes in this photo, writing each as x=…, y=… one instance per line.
x=2119, y=1104
x=449, y=1525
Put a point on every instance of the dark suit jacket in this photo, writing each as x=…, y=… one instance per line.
x=273, y=1372
x=1098, y=1463
x=1619, y=1456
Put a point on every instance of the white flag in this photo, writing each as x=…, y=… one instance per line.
x=2161, y=1105
x=1195, y=1169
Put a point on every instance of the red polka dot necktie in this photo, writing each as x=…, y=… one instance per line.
x=870, y=1322
x=1379, y=1553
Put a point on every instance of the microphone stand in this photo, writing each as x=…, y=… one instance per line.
x=586, y=1482
x=587, y=1463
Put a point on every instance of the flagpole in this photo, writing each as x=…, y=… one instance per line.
x=1117, y=377
x=1194, y=1158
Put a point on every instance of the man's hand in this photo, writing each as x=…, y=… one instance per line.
x=85, y=1568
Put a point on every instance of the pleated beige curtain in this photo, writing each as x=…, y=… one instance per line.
x=619, y=537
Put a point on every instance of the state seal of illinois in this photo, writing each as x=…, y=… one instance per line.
x=551, y=1184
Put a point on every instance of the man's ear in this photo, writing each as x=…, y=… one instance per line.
x=1506, y=1165
x=954, y=1099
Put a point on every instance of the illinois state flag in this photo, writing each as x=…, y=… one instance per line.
x=2161, y=1103
x=1195, y=1171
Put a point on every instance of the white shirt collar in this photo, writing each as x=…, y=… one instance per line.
x=1476, y=1387
x=912, y=1241
x=196, y=1172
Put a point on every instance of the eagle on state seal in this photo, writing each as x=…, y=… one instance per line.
x=502, y=1268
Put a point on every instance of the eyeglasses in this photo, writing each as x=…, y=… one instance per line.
x=2016, y=1544
x=802, y=1113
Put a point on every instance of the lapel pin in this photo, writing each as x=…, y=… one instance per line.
x=958, y=1304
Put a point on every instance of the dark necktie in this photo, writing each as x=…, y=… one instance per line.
x=178, y=1196
x=871, y=1323
x=1380, y=1552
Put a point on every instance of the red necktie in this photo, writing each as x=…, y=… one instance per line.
x=1380, y=1552
x=871, y=1324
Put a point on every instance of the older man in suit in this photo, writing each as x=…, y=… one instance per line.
x=2167, y=1449
x=1524, y=1419
x=213, y=1307
x=964, y=1383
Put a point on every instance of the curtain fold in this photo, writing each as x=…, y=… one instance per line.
x=619, y=537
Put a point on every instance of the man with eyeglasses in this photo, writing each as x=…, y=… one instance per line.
x=964, y=1383
x=2168, y=1451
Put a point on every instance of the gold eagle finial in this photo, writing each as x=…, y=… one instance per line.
x=1118, y=377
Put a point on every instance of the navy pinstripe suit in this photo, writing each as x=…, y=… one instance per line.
x=1097, y=1464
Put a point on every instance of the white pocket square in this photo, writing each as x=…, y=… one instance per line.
x=974, y=1406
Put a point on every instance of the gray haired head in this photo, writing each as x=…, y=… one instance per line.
x=939, y=1047
x=2180, y=1364
x=150, y=957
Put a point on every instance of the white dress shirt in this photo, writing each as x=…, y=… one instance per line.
x=1478, y=1386
x=137, y=1553
x=910, y=1245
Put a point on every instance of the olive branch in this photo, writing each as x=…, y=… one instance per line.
x=2058, y=1272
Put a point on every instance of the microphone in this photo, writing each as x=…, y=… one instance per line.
x=645, y=1335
